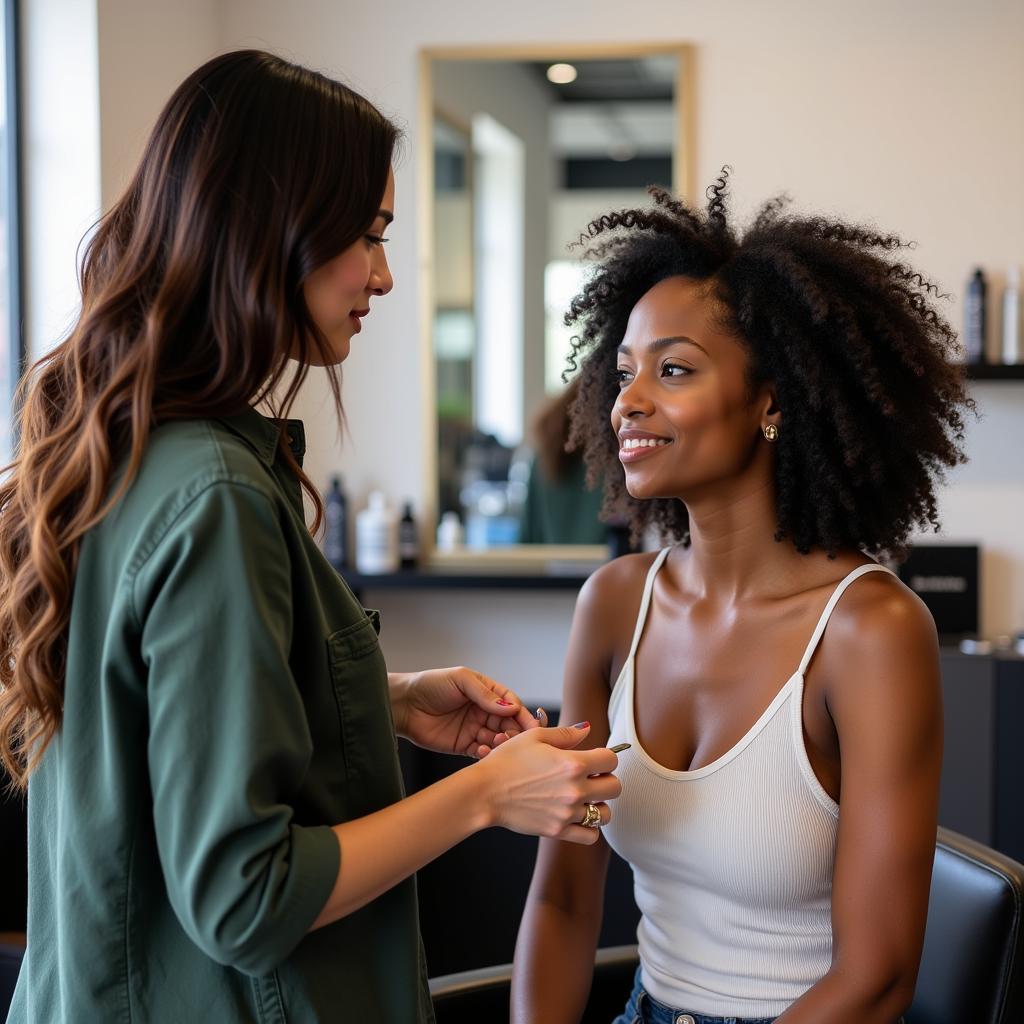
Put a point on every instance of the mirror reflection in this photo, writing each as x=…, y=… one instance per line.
x=525, y=154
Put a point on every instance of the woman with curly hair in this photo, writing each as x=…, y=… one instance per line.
x=778, y=404
x=196, y=701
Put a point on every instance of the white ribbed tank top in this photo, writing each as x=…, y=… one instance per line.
x=732, y=863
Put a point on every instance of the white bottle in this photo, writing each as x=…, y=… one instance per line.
x=449, y=532
x=1011, y=348
x=376, y=538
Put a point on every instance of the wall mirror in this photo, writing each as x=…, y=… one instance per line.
x=524, y=149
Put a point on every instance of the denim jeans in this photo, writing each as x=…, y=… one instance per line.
x=643, y=1008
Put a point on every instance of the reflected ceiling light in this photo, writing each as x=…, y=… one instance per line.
x=561, y=74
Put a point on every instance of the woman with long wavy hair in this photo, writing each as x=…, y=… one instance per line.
x=196, y=703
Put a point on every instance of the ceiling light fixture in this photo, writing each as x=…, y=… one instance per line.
x=561, y=74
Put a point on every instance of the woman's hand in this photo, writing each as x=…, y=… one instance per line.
x=456, y=711
x=539, y=785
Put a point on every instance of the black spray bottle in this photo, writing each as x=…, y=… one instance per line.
x=408, y=538
x=975, y=318
x=336, y=531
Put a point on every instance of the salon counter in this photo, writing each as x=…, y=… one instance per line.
x=566, y=578
x=982, y=792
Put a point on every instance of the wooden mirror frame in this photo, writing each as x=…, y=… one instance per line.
x=517, y=557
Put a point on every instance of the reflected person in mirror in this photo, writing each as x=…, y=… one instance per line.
x=778, y=404
x=560, y=508
x=196, y=702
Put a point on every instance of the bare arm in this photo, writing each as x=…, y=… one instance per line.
x=882, y=686
x=533, y=784
x=554, y=957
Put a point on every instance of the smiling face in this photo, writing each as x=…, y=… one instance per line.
x=685, y=415
x=338, y=293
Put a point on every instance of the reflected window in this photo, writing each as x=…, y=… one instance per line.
x=563, y=281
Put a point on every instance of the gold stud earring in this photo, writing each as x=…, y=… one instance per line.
x=771, y=432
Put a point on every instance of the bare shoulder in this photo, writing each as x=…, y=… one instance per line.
x=606, y=611
x=881, y=640
x=879, y=614
x=616, y=580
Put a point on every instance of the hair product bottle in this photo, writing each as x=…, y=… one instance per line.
x=376, y=537
x=1011, y=347
x=408, y=538
x=450, y=536
x=975, y=318
x=336, y=527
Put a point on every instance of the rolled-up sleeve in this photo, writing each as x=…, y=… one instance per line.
x=229, y=741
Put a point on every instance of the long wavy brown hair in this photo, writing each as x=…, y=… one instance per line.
x=258, y=171
x=550, y=430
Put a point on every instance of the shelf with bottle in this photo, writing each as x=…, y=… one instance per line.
x=995, y=371
x=433, y=578
x=997, y=354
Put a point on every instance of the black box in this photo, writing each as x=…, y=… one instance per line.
x=945, y=577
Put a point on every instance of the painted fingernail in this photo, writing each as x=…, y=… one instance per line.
x=582, y=725
x=540, y=714
x=620, y=747
x=505, y=703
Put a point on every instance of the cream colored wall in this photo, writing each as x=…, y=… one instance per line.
x=146, y=47
x=907, y=114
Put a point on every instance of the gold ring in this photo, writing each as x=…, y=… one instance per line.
x=592, y=819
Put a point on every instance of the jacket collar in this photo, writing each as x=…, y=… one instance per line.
x=263, y=434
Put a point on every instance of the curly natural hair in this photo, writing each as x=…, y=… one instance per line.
x=863, y=365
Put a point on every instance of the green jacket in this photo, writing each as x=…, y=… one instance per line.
x=226, y=702
x=562, y=511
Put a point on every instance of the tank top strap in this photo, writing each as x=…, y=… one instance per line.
x=856, y=574
x=645, y=601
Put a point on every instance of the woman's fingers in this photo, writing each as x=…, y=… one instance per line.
x=494, y=726
x=501, y=702
x=580, y=835
x=546, y=784
x=602, y=787
x=586, y=835
x=503, y=708
x=488, y=692
x=526, y=720
x=486, y=732
x=599, y=760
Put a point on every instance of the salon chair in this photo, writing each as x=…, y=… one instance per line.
x=972, y=968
